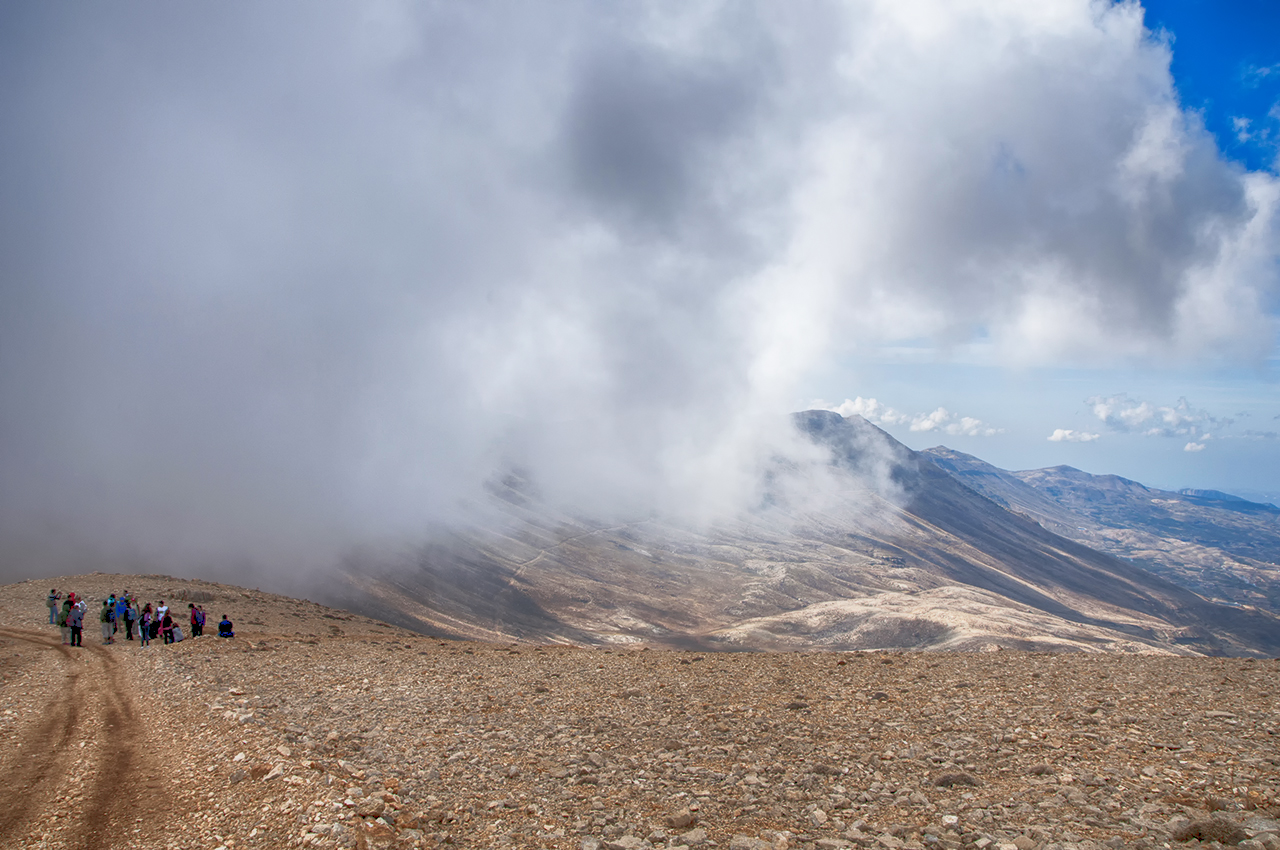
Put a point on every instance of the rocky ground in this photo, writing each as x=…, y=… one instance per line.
x=316, y=728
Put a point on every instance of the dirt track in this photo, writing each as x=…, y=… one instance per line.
x=73, y=773
x=113, y=747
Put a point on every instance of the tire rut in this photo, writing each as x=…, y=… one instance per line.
x=82, y=758
x=30, y=782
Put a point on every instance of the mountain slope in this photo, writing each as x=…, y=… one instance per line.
x=1023, y=561
x=881, y=547
x=1222, y=547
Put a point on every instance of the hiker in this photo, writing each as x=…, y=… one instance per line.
x=122, y=605
x=107, y=618
x=62, y=619
x=199, y=626
x=75, y=621
x=130, y=617
x=53, y=606
x=224, y=628
x=144, y=626
x=166, y=626
x=195, y=629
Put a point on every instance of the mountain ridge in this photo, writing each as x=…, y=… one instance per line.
x=1224, y=549
x=897, y=552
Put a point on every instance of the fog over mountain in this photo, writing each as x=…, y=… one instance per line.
x=283, y=282
x=898, y=552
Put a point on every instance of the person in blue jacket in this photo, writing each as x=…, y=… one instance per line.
x=224, y=628
x=122, y=605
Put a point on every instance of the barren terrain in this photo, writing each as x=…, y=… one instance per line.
x=877, y=548
x=317, y=728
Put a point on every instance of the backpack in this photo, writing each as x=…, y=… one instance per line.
x=177, y=633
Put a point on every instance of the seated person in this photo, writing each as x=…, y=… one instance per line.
x=224, y=628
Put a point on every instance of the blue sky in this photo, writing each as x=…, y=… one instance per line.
x=1226, y=64
x=280, y=279
x=1226, y=70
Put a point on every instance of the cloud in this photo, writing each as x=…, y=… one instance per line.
x=283, y=277
x=941, y=419
x=1066, y=435
x=1124, y=414
x=1193, y=447
x=1255, y=74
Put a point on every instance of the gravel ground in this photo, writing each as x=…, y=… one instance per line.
x=315, y=728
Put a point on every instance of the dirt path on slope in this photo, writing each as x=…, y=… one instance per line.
x=74, y=774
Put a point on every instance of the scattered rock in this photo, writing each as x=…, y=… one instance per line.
x=681, y=819
x=694, y=838
x=746, y=842
x=370, y=807
x=1216, y=828
x=626, y=842
x=952, y=778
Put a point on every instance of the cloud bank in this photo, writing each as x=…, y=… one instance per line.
x=277, y=278
x=941, y=420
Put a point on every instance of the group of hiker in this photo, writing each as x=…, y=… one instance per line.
x=123, y=612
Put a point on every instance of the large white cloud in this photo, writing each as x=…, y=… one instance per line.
x=1125, y=414
x=940, y=419
x=284, y=272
